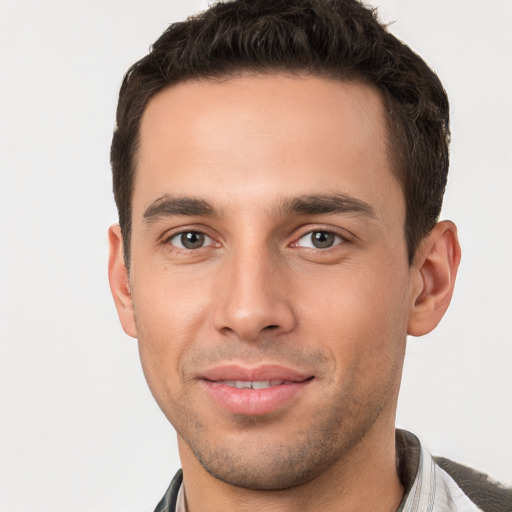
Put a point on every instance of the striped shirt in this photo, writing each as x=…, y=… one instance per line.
x=434, y=490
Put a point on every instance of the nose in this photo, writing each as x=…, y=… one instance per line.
x=254, y=299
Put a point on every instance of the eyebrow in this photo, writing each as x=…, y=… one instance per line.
x=167, y=206
x=324, y=204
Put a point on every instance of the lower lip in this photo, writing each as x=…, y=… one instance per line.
x=254, y=401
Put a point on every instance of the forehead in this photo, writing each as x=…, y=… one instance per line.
x=259, y=136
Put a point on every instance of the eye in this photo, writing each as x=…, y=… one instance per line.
x=190, y=240
x=319, y=240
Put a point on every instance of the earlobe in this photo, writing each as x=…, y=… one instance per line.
x=435, y=265
x=120, y=282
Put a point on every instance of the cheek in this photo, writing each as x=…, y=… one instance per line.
x=362, y=316
x=168, y=302
x=170, y=314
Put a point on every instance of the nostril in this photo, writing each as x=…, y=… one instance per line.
x=271, y=327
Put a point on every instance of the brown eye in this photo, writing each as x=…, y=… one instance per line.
x=190, y=240
x=319, y=240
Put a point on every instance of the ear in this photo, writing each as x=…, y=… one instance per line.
x=120, y=281
x=435, y=268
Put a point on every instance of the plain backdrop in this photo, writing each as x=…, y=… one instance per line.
x=79, y=431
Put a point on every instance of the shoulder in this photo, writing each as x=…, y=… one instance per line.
x=168, y=502
x=484, y=492
x=439, y=484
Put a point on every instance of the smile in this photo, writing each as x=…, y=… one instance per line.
x=257, y=384
x=254, y=391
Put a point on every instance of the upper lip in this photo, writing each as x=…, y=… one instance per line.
x=260, y=373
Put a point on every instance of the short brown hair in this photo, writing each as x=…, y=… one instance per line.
x=340, y=39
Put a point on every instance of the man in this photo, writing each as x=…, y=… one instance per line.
x=279, y=170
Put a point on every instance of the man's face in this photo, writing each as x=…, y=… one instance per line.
x=269, y=273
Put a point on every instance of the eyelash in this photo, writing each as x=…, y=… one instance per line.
x=181, y=234
x=335, y=240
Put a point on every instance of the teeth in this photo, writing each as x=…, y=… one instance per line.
x=260, y=384
x=256, y=384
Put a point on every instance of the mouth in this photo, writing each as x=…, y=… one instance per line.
x=255, y=384
x=257, y=391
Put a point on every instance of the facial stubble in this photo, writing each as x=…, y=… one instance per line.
x=257, y=460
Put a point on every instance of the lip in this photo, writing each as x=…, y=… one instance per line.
x=254, y=401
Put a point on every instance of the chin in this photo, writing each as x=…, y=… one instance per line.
x=259, y=462
x=275, y=473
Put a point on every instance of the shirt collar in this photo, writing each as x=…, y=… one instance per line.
x=429, y=488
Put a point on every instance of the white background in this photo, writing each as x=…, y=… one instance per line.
x=79, y=430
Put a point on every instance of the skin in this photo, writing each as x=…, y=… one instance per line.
x=258, y=291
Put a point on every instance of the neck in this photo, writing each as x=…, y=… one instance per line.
x=366, y=479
